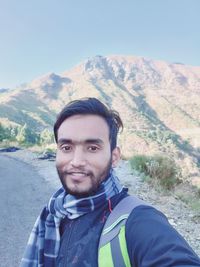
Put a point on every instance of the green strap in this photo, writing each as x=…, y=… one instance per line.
x=105, y=256
x=113, y=225
x=113, y=250
x=123, y=246
x=121, y=257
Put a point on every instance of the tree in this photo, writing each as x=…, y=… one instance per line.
x=2, y=133
x=13, y=133
x=46, y=137
x=27, y=136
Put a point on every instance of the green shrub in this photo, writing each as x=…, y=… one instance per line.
x=160, y=169
x=139, y=163
x=198, y=193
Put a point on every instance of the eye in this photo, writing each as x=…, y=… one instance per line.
x=66, y=148
x=93, y=148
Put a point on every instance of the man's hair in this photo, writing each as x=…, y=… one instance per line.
x=91, y=106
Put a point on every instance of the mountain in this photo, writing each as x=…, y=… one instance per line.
x=158, y=102
x=4, y=90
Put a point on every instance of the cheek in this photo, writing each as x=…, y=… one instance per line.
x=61, y=160
x=102, y=161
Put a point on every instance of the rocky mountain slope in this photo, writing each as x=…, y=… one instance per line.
x=158, y=102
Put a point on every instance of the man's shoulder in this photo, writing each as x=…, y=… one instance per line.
x=146, y=224
x=143, y=214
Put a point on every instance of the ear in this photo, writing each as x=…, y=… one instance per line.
x=116, y=156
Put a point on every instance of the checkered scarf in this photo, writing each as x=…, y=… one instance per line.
x=44, y=241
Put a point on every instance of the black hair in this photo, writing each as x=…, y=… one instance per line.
x=91, y=106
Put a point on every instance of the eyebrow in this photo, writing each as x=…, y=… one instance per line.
x=87, y=141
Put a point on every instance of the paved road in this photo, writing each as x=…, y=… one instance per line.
x=23, y=193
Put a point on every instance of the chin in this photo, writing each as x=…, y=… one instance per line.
x=81, y=193
x=78, y=194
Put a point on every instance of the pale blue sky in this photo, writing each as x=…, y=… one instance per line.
x=41, y=36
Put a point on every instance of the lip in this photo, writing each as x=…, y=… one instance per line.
x=78, y=176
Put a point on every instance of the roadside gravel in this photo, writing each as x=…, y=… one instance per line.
x=179, y=214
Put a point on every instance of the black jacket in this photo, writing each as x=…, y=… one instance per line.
x=151, y=240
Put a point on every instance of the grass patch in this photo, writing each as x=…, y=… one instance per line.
x=157, y=169
x=192, y=200
x=195, y=205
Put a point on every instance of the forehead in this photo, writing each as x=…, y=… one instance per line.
x=82, y=127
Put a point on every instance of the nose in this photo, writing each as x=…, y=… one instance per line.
x=78, y=159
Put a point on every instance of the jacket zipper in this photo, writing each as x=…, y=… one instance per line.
x=66, y=242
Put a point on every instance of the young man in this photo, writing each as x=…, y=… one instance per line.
x=68, y=231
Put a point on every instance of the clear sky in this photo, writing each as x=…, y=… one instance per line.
x=42, y=36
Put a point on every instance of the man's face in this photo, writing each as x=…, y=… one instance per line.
x=84, y=155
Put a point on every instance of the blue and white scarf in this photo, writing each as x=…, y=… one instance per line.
x=44, y=241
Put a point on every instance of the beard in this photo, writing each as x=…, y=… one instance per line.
x=94, y=181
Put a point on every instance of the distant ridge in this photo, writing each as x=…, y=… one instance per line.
x=156, y=100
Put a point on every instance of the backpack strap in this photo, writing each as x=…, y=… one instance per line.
x=112, y=246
